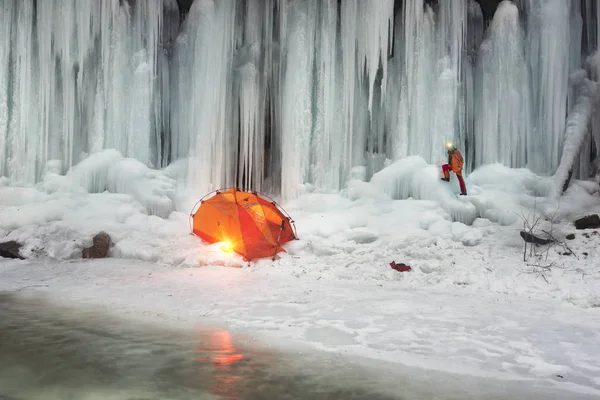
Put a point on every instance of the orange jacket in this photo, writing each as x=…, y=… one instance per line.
x=455, y=160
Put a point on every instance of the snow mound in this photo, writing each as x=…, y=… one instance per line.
x=503, y=193
x=59, y=225
x=413, y=177
x=467, y=235
x=109, y=171
x=496, y=192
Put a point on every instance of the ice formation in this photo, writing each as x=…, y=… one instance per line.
x=412, y=177
x=109, y=171
x=576, y=130
x=504, y=112
x=78, y=76
x=276, y=94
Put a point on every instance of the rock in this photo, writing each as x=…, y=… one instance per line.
x=531, y=238
x=588, y=222
x=570, y=236
x=99, y=249
x=11, y=250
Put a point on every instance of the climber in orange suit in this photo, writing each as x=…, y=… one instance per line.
x=455, y=164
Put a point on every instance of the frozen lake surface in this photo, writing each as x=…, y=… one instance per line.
x=51, y=352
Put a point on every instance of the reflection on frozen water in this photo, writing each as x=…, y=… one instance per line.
x=53, y=353
x=218, y=349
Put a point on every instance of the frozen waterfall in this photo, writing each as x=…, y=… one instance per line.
x=504, y=108
x=281, y=95
x=78, y=76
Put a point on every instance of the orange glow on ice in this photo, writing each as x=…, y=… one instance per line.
x=226, y=247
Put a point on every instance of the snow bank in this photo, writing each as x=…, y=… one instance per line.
x=405, y=214
x=59, y=225
x=109, y=171
x=135, y=205
x=494, y=191
x=497, y=193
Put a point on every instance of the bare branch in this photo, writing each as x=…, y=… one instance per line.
x=564, y=244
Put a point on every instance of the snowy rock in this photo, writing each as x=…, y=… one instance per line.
x=588, y=222
x=11, y=250
x=99, y=249
x=531, y=238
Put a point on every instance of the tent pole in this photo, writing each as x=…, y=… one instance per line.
x=278, y=239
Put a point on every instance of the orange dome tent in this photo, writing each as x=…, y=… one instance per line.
x=247, y=222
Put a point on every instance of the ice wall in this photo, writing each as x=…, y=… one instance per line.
x=548, y=39
x=504, y=104
x=577, y=125
x=202, y=107
x=77, y=76
x=285, y=95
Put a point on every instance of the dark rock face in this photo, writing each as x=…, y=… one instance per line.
x=488, y=8
x=11, y=250
x=184, y=8
x=570, y=236
x=99, y=248
x=588, y=222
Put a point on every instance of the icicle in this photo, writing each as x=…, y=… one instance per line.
x=251, y=72
x=373, y=40
x=590, y=13
x=327, y=147
x=366, y=43
x=393, y=118
x=21, y=145
x=419, y=83
x=548, y=52
x=349, y=15
x=576, y=128
x=297, y=89
x=202, y=104
x=503, y=122
x=6, y=15
x=451, y=39
x=468, y=94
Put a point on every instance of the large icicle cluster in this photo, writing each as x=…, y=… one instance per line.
x=285, y=95
x=504, y=107
x=577, y=125
x=77, y=76
x=582, y=127
x=549, y=32
x=202, y=118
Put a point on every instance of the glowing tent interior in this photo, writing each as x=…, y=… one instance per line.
x=246, y=222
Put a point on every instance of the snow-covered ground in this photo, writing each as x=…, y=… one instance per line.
x=471, y=305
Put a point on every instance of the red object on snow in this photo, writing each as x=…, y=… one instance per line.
x=400, y=267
